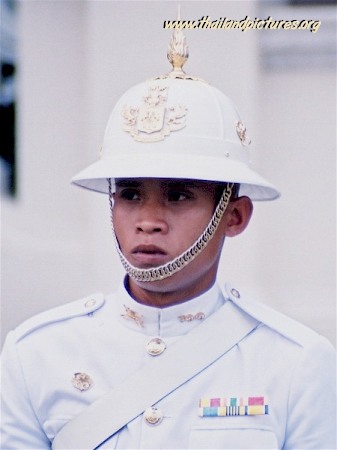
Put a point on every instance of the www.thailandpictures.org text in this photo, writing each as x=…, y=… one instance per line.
x=244, y=25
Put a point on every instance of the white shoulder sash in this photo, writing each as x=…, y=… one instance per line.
x=208, y=342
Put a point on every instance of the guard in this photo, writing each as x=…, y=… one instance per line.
x=171, y=360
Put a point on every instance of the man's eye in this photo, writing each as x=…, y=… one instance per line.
x=177, y=196
x=129, y=194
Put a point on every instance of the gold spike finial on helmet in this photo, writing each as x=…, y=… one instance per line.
x=177, y=52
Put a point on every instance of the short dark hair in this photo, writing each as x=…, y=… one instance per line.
x=221, y=187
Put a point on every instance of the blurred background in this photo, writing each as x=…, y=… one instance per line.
x=64, y=65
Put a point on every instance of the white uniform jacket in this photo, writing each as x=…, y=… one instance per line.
x=284, y=367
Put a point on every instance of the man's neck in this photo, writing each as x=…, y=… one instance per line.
x=148, y=295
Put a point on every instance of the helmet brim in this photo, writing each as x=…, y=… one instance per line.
x=200, y=167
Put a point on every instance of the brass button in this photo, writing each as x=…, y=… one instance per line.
x=81, y=381
x=235, y=293
x=155, y=347
x=153, y=416
x=90, y=303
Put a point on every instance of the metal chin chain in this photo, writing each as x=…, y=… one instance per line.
x=181, y=261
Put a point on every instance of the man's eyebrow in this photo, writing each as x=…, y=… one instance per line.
x=127, y=183
x=186, y=183
x=168, y=183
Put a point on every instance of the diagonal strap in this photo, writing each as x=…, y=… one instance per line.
x=208, y=341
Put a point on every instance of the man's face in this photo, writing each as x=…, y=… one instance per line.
x=156, y=220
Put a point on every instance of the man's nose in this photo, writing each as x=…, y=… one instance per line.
x=152, y=218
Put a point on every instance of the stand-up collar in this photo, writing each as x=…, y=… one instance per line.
x=166, y=322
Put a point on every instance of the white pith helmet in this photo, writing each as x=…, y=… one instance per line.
x=176, y=126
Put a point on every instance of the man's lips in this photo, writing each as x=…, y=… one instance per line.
x=149, y=255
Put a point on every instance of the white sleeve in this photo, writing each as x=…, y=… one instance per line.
x=20, y=428
x=312, y=399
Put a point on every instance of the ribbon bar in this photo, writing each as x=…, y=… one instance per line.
x=232, y=406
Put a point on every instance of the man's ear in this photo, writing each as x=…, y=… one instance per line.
x=237, y=216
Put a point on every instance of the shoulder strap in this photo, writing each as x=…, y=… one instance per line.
x=208, y=341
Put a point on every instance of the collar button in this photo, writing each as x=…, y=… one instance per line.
x=155, y=346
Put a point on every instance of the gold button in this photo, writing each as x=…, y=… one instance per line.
x=90, y=303
x=235, y=293
x=153, y=416
x=155, y=347
x=81, y=381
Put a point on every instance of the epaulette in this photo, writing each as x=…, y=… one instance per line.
x=70, y=310
x=282, y=324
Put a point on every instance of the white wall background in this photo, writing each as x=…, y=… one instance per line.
x=75, y=59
